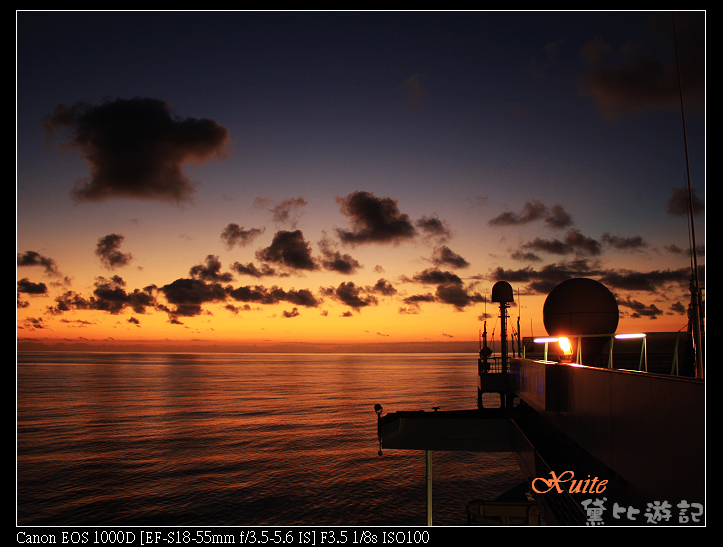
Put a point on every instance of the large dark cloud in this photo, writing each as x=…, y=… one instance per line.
x=290, y=250
x=679, y=202
x=374, y=220
x=32, y=258
x=636, y=77
x=108, y=250
x=233, y=234
x=532, y=211
x=136, y=148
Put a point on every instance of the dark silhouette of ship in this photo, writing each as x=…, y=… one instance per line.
x=601, y=435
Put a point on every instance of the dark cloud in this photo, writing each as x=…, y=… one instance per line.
x=189, y=295
x=293, y=313
x=674, y=249
x=290, y=250
x=679, y=202
x=457, y=296
x=640, y=309
x=349, y=294
x=532, y=211
x=108, y=250
x=252, y=270
x=134, y=321
x=233, y=234
x=678, y=308
x=210, y=271
x=650, y=281
x=288, y=211
x=543, y=280
x=383, y=287
x=526, y=257
x=624, y=243
x=434, y=227
x=136, y=148
x=261, y=295
x=417, y=298
x=28, y=287
x=374, y=220
x=31, y=258
x=573, y=242
x=638, y=77
x=434, y=276
x=109, y=295
x=335, y=261
x=444, y=256
x=558, y=218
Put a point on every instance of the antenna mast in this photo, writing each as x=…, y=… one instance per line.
x=695, y=294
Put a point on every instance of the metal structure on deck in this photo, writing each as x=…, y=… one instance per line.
x=641, y=432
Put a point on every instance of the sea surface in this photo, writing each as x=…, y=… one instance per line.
x=239, y=439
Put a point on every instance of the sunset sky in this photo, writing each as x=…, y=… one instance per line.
x=241, y=179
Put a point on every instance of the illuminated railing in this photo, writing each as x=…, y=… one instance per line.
x=566, y=348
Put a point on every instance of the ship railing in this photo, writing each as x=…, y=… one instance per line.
x=529, y=344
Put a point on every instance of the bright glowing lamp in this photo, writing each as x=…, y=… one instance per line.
x=565, y=345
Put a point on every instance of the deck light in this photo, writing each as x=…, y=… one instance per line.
x=565, y=345
x=633, y=335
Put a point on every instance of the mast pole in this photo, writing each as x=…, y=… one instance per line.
x=695, y=294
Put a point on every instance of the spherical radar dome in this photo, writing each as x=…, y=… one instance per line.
x=580, y=306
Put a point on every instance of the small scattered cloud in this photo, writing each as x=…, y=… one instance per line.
x=679, y=202
x=639, y=77
x=210, y=271
x=289, y=250
x=434, y=228
x=351, y=295
x=556, y=217
x=573, y=242
x=288, y=212
x=108, y=250
x=374, y=220
x=233, y=235
x=444, y=256
x=634, y=243
x=28, y=287
x=414, y=91
x=32, y=258
x=336, y=261
x=293, y=313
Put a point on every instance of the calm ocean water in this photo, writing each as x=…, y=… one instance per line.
x=239, y=439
